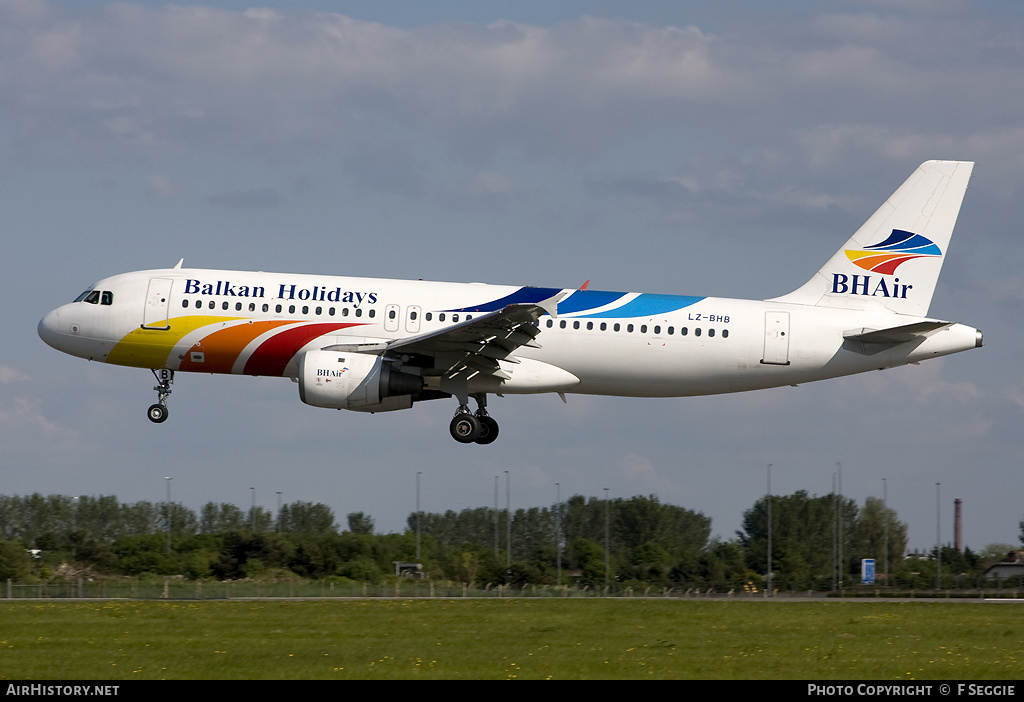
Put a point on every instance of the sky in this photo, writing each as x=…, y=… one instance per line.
x=719, y=149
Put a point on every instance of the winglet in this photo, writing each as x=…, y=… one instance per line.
x=584, y=286
x=178, y=264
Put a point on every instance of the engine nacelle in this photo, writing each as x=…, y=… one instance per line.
x=355, y=381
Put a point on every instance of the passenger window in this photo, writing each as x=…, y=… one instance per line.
x=440, y=317
x=184, y=303
x=590, y=326
x=725, y=333
x=224, y=306
x=213, y=305
x=430, y=316
x=372, y=313
x=330, y=311
x=238, y=307
x=561, y=324
x=359, y=312
x=629, y=328
x=604, y=326
x=551, y=323
x=575, y=325
x=696, y=332
x=683, y=331
x=615, y=327
x=711, y=332
x=319, y=311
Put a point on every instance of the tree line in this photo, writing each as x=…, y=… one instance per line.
x=816, y=541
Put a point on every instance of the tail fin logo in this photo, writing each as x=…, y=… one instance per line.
x=887, y=256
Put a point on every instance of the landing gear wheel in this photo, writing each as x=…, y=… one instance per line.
x=465, y=428
x=157, y=413
x=488, y=430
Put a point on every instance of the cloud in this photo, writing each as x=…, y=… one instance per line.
x=161, y=185
x=257, y=199
x=11, y=375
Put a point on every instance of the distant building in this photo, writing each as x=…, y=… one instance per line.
x=1010, y=567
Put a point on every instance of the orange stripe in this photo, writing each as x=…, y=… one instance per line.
x=221, y=349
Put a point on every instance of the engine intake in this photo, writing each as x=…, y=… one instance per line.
x=355, y=381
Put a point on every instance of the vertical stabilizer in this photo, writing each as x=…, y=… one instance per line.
x=894, y=259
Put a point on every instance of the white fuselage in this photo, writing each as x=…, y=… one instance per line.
x=628, y=344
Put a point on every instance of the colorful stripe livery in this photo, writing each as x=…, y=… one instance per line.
x=900, y=247
x=593, y=303
x=222, y=344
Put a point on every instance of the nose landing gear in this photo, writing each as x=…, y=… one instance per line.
x=158, y=413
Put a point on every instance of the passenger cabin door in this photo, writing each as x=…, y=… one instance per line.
x=158, y=304
x=776, y=339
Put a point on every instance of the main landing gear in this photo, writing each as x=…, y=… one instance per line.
x=479, y=428
x=158, y=413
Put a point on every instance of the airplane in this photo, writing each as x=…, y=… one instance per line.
x=379, y=345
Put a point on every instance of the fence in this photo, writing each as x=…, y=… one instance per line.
x=181, y=589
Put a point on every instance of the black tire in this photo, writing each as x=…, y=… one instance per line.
x=157, y=413
x=488, y=430
x=465, y=428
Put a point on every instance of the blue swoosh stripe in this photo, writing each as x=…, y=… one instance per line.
x=522, y=295
x=587, y=300
x=648, y=305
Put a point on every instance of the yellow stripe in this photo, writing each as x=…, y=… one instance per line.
x=150, y=348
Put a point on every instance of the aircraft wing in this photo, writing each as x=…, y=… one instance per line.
x=895, y=335
x=473, y=346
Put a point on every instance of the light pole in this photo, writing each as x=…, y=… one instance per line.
x=168, y=483
x=885, y=539
x=279, y=493
x=768, y=499
x=558, y=533
x=607, y=522
x=508, y=521
x=418, y=474
x=938, y=539
x=496, y=478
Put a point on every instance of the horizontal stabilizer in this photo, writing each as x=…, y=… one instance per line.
x=895, y=335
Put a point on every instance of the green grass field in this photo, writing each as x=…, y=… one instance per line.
x=509, y=638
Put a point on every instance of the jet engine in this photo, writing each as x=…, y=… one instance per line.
x=355, y=381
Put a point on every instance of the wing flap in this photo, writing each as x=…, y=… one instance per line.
x=472, y=346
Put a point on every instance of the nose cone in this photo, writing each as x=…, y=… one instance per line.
x=49, y=329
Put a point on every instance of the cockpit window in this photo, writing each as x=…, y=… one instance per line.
x=96, y=297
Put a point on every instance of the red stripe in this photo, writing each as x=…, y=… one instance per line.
x=274, y=354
